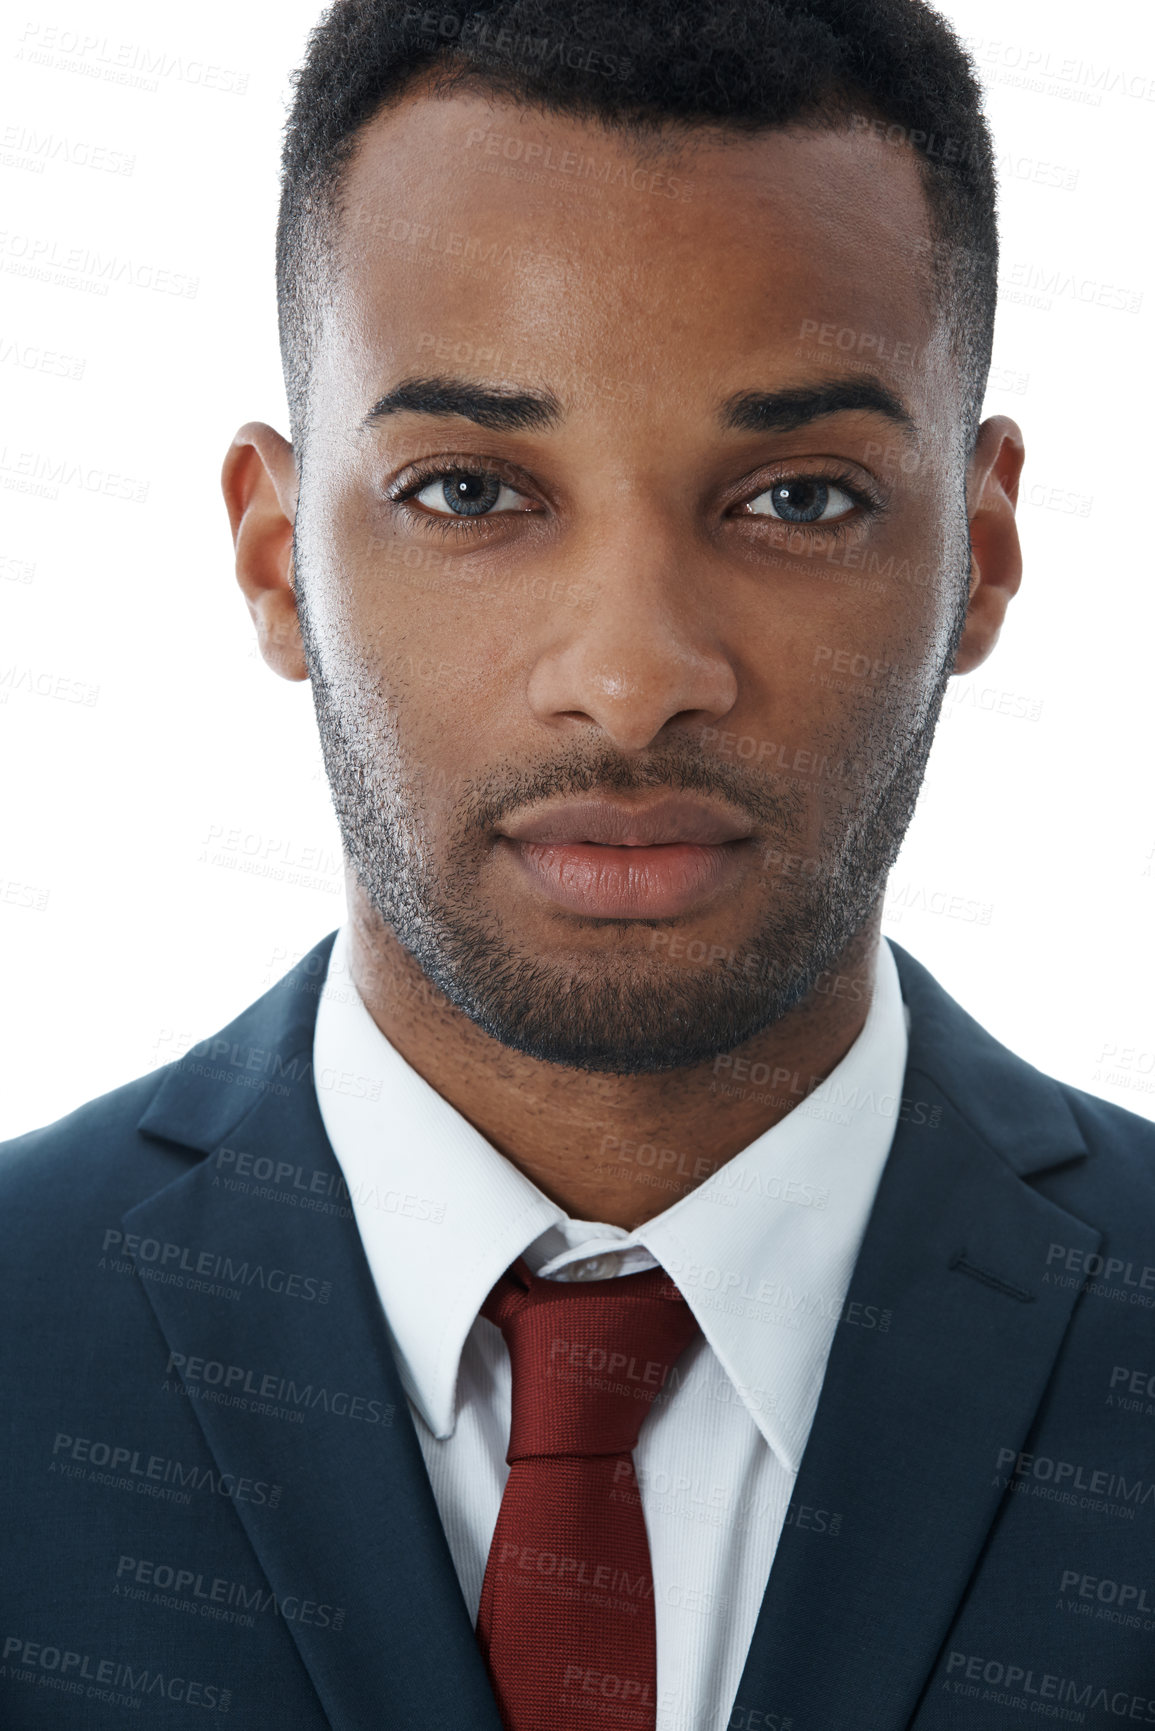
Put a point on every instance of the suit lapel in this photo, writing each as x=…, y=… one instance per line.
x=902, y=1475
x=254, y=1268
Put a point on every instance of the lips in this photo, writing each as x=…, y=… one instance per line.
x=605, y=823
x=606, y=860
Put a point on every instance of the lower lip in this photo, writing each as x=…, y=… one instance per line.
x=627, y=883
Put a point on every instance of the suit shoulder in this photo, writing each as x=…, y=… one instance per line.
x=95, y=1152
x=124, y=1145
x=1042, y=1127
x=1124, y=1139
x=1112, y=1187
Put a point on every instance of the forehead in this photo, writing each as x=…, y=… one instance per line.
x=471, y=223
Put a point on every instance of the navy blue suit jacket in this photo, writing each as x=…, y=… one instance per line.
x=215, y=1503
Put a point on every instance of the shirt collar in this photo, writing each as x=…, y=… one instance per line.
x=762, y=1251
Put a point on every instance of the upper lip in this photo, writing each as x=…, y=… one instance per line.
x=673, y=818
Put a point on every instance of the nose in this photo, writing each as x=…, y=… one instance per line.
x=648, y=651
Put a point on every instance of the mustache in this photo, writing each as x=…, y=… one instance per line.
x=484, y=802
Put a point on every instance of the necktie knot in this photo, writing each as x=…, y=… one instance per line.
x=587, y=1361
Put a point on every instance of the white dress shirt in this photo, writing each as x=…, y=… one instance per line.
x=762, y=1252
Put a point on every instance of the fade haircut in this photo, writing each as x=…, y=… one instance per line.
x=649, y=69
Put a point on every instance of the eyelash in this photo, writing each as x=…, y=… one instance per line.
x=869, y=504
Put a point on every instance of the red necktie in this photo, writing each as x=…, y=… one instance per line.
x=566, y=1623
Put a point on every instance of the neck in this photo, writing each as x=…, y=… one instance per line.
x=617, y=1149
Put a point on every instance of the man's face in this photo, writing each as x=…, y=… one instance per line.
x=739, y=634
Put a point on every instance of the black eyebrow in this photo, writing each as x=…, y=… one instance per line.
x=783, y=411
x=505, y=409
x=497, y=407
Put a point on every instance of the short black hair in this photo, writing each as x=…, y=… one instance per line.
x=641, y=68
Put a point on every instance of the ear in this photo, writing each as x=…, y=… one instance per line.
x=996, y=557
x=259, y=482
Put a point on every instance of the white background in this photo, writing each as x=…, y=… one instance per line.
x=144, y=740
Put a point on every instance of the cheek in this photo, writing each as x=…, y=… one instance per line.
x=911, y=582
